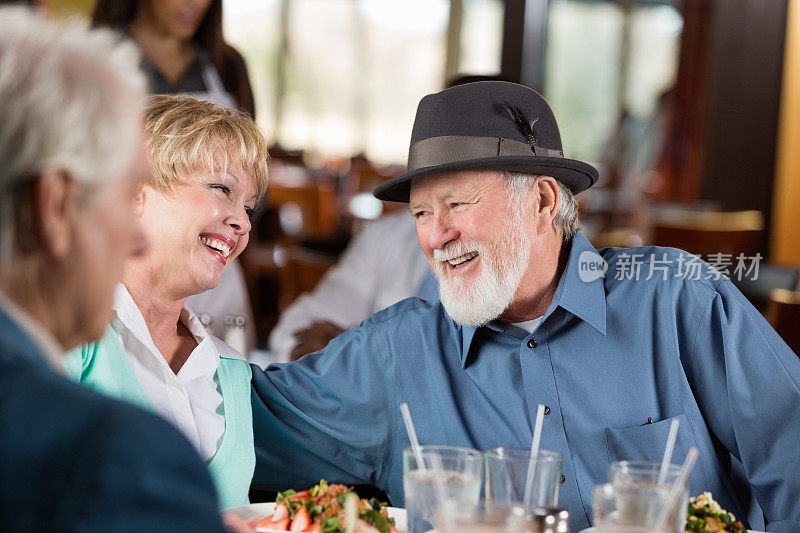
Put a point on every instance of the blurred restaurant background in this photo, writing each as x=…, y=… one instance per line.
x=689, y=108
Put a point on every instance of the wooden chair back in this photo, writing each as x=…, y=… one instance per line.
x=783, y=312
x=709, y=232
x=302, y=270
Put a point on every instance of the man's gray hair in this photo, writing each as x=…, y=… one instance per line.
x=566, y=219
x=69, y=100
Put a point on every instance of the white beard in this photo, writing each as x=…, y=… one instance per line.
x=503, y=263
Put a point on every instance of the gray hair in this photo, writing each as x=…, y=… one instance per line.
x=566, y=219
x=69, y=99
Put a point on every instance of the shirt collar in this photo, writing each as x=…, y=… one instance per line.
x=584, y=299
x=130, y=316
x=190, y=320
x=204, y=359
x=468, y=333
x=41, y=338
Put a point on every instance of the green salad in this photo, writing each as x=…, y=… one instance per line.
x=703, y=514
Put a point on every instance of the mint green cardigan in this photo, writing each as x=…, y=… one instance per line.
x=104, y=367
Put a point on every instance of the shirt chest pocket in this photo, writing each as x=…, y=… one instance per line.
x=647, y=443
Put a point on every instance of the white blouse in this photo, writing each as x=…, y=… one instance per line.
x=190, y=399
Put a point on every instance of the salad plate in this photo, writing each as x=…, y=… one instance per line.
x=262, y=510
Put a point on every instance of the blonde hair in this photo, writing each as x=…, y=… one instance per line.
x=185, y=134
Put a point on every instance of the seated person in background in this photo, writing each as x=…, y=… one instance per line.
x=71, y=158
x=183, y=51
x=616, y=343
x=209, y=169
x=382, y=265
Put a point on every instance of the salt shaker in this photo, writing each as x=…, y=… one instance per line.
x=234, y=333
x=207, y=322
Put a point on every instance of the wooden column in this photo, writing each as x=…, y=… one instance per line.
x=785, y=238
x=746, y=66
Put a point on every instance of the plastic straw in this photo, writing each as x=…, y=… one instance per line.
x=665, y=462
x=537, y=435
x=412, y=436
x=676, y=489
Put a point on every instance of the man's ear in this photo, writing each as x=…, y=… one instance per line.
x=549, y=195
x=54, y=211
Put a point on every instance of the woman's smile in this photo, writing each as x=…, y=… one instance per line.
x=218, y=245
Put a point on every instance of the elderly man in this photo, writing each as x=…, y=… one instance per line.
x=532, y=314
x=71, y=159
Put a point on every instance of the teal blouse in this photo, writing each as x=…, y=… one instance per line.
x=104, y=367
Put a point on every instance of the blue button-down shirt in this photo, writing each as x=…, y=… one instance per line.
x=616, y=358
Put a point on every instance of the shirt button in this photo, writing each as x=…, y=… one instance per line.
x=531, y=344
x=563, y=478
x=546, y=410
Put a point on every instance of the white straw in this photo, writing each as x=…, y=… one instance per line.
x=665, y=462
x=677, y=487
x=412, y=436
x=537, y=435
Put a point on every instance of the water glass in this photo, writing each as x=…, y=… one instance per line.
x=498, y=518
x=454, y=469
x=640, y=499
x=507, y=477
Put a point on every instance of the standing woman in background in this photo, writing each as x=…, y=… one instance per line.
x=184, y=52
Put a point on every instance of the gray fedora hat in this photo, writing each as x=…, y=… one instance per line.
x=486, y=125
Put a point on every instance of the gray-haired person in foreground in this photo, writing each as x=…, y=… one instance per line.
x=71, y=159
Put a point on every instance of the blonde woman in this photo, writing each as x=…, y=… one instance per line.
x=208, y=171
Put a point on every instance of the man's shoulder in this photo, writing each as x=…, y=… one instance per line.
x=72, y=444
x=647, y=255
x=657, y=265
x=47, y=403
x=409, y=309
x=53, y=403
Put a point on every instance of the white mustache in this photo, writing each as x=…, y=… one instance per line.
x=456, y=250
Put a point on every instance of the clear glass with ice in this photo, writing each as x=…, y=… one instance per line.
x=457, y=471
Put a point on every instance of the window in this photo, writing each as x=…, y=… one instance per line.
x=481, y=36
x=253, y=28
x=596, y=67
x=348, y=74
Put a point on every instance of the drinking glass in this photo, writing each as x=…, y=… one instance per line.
x=507, y=476
x=455, y=470
x=641, y=499
x=499, y=518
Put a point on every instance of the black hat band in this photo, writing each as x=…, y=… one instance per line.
x=435, y=151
